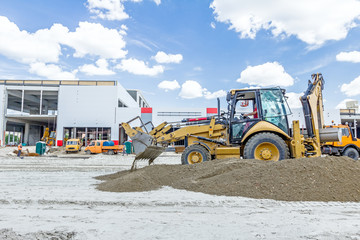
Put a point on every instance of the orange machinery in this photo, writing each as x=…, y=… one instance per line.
x=348, y=146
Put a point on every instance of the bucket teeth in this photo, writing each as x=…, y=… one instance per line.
x=150, y=153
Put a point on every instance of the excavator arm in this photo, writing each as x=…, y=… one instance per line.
x=312, y=102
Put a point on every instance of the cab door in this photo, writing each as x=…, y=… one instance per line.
x=98, y=147
x=244, y=103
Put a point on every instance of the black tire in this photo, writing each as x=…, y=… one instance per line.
x=195, y=151
x=278, y=148
x=88, y=152
x=351, y=153
x=110, y=152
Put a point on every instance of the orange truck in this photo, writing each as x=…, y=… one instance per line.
x=348, y=146
x=102, y=146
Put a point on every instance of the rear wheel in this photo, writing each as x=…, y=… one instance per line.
x=267, y=147
x=195, y=154
x=110, y=152
x=351, y=153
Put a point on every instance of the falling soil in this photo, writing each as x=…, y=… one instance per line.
x=306, y=179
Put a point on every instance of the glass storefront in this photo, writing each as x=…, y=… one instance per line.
x=87, y=134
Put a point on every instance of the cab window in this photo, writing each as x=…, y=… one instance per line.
x=275, y=108
x=345, y=132
x=97, y=143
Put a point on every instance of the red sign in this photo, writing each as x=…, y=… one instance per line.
x=146, y=110
x=211, y=110
x=59, y=143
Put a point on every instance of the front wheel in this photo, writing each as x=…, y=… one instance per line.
x=266, y=146
x=88, y=152
x=195, y=154
x=351, y=153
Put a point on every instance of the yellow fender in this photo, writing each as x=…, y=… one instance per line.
x=264, y=126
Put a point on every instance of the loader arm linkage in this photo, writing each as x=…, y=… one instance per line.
x=312, y=102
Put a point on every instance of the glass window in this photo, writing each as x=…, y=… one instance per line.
x=67, y=133
x=239, y=128
x=243, y=107
x=91, y=134
x=97, y=143
x=275, y=108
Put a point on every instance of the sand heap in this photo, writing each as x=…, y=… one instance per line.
x=307, y=179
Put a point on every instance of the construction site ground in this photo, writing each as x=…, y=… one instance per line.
x=56, y=197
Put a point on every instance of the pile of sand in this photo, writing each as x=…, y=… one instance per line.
x=307, y=179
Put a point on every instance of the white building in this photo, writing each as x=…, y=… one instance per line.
x=74, y=109
x=86, y=110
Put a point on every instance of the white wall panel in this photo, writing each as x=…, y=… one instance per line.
x=2, y=114
x=86, y=106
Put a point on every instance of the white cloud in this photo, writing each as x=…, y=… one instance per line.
x=25, y=47
x=169, y=85
x=198, y=69
x=138, y=67
x=45, y=44
x=157, y=2
x=51, y=71
x=313, y=22
x=101, y=68
x=352, y=88
x=107, y=9
x=217, y=94
x=353, y=56
x=97, y=40
x=162, y=57
x=294, y=100
x=212, y=25
x=192, y=89
x=342, y=104
x=267, y=74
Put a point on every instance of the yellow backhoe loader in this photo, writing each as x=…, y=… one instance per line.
x=49, y=137
x=264, y=136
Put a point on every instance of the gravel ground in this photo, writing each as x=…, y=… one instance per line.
x=56, y=198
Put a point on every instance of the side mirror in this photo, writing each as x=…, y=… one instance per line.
x=228, y=97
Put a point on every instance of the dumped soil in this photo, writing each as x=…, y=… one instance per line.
x=26, y=153
x=306, y=179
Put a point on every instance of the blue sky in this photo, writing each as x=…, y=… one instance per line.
x=186, y=53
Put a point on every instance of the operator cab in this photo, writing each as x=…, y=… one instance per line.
x=250, y=106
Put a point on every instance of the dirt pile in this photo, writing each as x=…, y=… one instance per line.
x=307, y=179
x=26, y=153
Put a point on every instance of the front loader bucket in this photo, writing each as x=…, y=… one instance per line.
x=143, y=148
x=150, y=153
x=141, y=141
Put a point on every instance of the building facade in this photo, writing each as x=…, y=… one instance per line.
x=87, y=110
